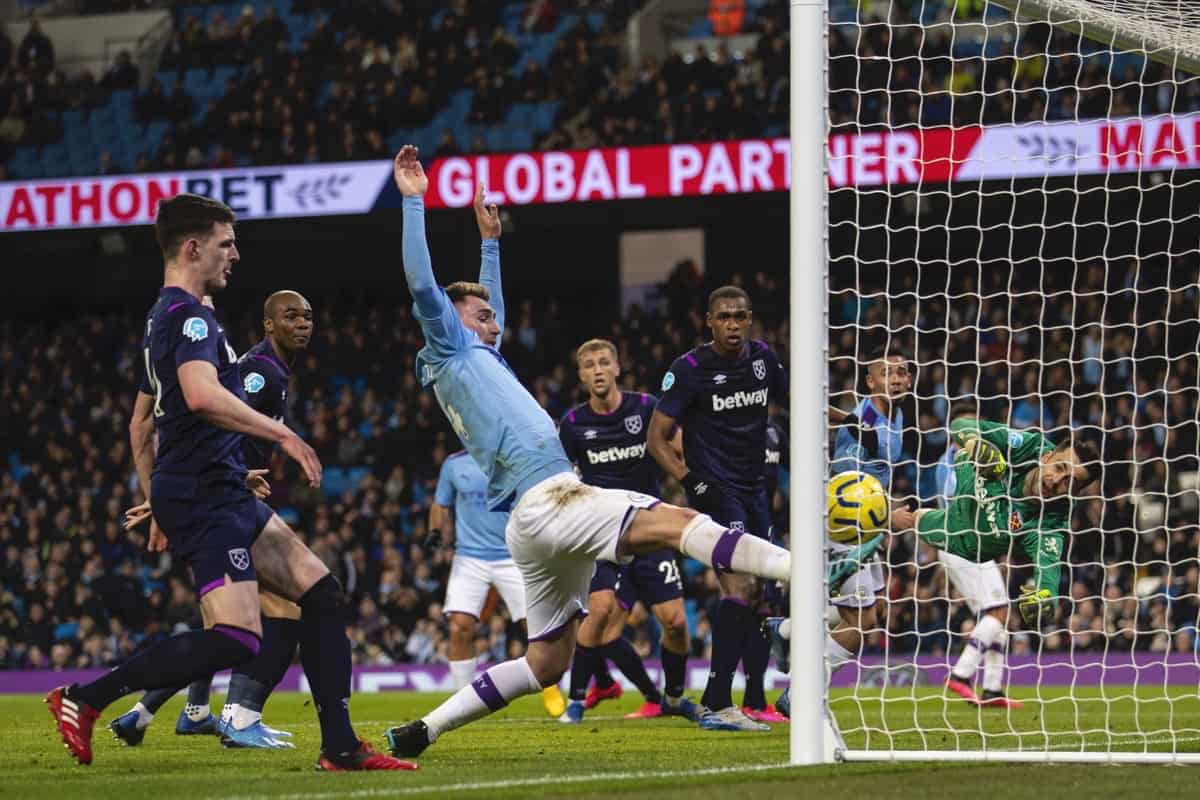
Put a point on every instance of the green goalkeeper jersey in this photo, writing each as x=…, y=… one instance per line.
x=989, y=517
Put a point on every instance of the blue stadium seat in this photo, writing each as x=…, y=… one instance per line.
x=337, y=480
x=596, y=20
x=194, y=79
x=65, y=630
x=544, y=116
x=520, y=114
x=700, y=28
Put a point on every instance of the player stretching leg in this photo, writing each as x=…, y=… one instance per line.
x=719, y=394
x=558, y=526
x=265, y=370
x=191, y=394
x=481, y=561
x=606, y=439
x=1020, y=500
x=869, y=440
x=983, y=587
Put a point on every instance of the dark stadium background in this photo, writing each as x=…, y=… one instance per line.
x=72, y=304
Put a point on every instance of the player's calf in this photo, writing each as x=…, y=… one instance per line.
x=698, y=536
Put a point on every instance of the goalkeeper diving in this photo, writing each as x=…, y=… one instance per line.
x=1013, y=490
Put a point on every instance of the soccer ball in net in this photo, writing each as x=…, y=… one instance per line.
x=857, y=506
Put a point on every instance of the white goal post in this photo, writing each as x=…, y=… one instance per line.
x=1007, y=194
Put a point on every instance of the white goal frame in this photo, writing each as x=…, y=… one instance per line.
x=813, y=736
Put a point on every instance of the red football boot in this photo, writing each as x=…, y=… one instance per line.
x=961, y=689
x=647, y=711
x=594, y=695
x=74, y=721
x=992, y=699
x=768, y=714
x=364, y=758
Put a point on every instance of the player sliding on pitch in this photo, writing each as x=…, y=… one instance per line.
x=558, y=526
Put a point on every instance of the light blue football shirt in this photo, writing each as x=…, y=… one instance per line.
x=849, y=455
x=478, y=532
x=511, y=437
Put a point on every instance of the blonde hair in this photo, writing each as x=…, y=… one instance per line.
x=461, y=290
x=596, y=344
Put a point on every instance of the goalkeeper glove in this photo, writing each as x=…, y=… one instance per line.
x=867, y=438
x=984, y=456
x=433, y=541
x=1035, y=606
x=849, y=563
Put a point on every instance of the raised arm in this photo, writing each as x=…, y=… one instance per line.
x=488, y=219
x=418, y=268
x=444, y=332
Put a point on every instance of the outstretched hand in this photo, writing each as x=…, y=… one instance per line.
x=408, y=172
x=487, y=217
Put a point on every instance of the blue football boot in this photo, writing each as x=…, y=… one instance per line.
x=256, y=736
x=124, y=729
x=684, y=708
x=184, y=726
x=574, y=713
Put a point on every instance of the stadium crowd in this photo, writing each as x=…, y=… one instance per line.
x=367, y=71
x=77, y=590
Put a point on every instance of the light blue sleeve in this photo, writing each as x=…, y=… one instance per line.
x=444, y=332
x=489, y=276
x=444, y=494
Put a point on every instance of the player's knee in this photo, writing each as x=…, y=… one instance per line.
x=324, y=599
x=462, y=626
x=673, y=622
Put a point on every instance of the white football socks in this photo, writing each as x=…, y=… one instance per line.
x=993, y=663
x=491, y=691
x=835, y=654
x=463, y=672
x=241, y=717
x=144, y=717
x=196, y=713
x=735, y=551
x=987, y=631
x=785, y=629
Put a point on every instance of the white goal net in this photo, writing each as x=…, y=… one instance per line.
x=1013, y=216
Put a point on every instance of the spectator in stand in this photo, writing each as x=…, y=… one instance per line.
x=123, y=74
x=727, y=16
x=36, y=52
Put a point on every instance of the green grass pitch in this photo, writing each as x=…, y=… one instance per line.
x=520, y=753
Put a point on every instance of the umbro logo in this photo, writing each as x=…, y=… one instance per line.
x=720, y=378
x=701, y=487
x=589, y=434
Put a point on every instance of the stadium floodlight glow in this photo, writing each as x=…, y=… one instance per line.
x=1059, y=294
x=1167, y=31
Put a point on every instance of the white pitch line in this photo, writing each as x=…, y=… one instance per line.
x=548, y=780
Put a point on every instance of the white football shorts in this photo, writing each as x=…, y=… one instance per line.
x=556, y=533
x=470, y=579
x=980, y=584
x=861, y=588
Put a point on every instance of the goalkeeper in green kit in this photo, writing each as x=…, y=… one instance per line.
x=1013, y=490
